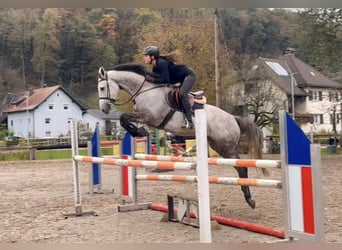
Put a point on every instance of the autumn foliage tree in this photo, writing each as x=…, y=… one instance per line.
x=67, y=46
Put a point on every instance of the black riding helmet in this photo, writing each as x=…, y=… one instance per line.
x=151, y=51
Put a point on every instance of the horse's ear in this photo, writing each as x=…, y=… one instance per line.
x=102, y=73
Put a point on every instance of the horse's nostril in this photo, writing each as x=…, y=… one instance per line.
x=102, y=88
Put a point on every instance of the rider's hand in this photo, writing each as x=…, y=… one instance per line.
x=149, y=78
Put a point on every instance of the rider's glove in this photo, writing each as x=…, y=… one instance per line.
x=149, y=78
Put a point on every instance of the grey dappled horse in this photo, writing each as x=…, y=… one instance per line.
x=152, y=109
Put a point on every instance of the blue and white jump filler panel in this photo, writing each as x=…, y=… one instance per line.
x=301, y=164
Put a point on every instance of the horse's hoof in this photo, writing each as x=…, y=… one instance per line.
x=142, y=132
x=251, y=203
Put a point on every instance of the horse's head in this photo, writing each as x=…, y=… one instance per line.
x=108, y=90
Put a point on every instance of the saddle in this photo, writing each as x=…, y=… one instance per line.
x=172, y=98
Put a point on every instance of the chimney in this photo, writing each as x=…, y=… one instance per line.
x=290, y=51
x=30, y=91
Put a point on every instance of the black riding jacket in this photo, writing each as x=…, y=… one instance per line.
x=166, y=71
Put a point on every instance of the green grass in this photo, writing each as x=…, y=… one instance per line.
x=57, y=154
x=20, y=155
x=324, y=151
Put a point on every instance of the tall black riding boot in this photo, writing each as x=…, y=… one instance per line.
x=187, y=112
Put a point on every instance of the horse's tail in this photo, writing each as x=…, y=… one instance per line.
x=255, y=139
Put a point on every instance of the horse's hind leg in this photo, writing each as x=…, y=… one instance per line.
x=231, y=151
x=243, y=173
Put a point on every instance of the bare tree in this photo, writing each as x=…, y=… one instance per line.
x=258, y=97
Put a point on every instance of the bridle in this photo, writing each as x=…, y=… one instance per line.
x=107, y=97
x=138, y=92
x=113, y=100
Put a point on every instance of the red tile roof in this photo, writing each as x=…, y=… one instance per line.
x=17, y=101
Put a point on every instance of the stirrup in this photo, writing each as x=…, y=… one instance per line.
x=188, y=124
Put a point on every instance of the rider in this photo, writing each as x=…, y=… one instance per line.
x=167, y=70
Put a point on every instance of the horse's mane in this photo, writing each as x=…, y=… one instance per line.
x=133, y=67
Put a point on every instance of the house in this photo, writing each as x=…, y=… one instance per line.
x=324, y=96
x=41, y=113
x=313, y=99
x=45, y=113
x=108, y=123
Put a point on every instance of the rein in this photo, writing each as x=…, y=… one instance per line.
x=133, y=96
x=137, y=93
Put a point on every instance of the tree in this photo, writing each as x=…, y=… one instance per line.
x=319, y=40
x=105, y=22
x=129, y=24
x=46, y=46
x=78, y=49
x=17, y=44
x=257, y=97
x=183, y=30
x=250, y=33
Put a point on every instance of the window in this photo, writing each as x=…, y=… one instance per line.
x=47, y=120
x=335, y=96
x=248, y=88
x=240, y=110
x=277, y=68
x=65, y=106
x=337, y=118
x=50, y=106
x=318, y=119
x=47, y=133
x=315, y=95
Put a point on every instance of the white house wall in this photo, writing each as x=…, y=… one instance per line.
x=279, y=97
x=59, y=124
x=90, y=121
x=20, y=123
x=324, y=107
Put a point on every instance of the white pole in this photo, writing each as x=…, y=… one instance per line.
x=74, y=151
x=292, y=97
x=202, y=175
x=28, y=122
x=217, y=71
x=76, y=173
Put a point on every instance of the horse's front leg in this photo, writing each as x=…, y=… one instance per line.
x=126, y=121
